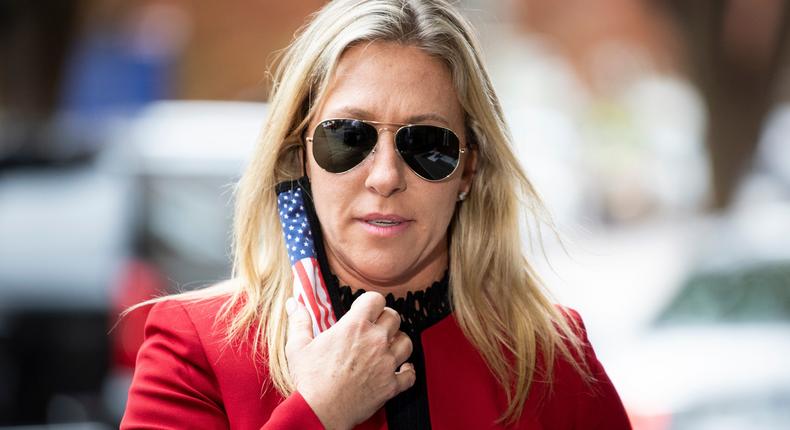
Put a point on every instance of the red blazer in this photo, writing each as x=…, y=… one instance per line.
x=187, y=377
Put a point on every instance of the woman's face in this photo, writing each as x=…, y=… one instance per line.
x=389, y=83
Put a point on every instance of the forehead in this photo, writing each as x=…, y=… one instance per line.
x=392, y=82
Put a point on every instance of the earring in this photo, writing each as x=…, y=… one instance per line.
x=462, y=195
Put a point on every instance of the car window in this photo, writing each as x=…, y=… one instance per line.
x=756, y=293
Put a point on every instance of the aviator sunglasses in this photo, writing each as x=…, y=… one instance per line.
x=431, y=152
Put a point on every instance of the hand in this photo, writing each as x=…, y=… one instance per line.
x=348, y=372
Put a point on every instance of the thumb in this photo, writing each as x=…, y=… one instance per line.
x=300, y=326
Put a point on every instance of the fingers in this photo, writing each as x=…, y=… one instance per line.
x=401, y=347
x=368, y=306
x=405, y=377
x=300, y=327
x=390, y=321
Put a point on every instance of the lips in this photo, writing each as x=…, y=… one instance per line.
x=385, y=224
x=382, y=223
x=384, y=218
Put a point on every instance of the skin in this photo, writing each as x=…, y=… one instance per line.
x=391, y=83
x=349, y=371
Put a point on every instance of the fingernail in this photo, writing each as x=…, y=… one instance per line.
x=290, y=306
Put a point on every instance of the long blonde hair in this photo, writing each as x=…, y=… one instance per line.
x=497, y=298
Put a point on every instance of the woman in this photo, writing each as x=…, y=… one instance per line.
x=385, y=107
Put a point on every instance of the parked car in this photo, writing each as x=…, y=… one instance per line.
x=65, y=238
x=716, y=356
x=146, y=212
x=184, y=158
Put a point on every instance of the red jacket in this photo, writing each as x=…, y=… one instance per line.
x=186, y=376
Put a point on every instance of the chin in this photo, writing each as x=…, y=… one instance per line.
x=384, y=269
x=381, y=271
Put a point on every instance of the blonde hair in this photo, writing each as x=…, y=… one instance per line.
x=496, y=296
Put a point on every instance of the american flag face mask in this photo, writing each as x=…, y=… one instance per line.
x=302, y=234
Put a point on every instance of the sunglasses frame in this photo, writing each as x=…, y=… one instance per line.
x=377, y=125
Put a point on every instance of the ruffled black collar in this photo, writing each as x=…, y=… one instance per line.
x=418, y=310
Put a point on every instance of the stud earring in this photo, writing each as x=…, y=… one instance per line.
x=462, y=195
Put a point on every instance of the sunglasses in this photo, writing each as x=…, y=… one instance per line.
x=431, y=152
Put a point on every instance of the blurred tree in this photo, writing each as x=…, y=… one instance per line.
x=34, y=42
x=35, y=37
x=585, y=31
x=738, y=50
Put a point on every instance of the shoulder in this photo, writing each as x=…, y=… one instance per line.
x=591, y=391
x=186, y=315
x=580, y=348
x=191, y=312
x=573, y=318
x=188, y=370
x=179, y=331
x=184, y=327
x=173, y=374
x=195, y=327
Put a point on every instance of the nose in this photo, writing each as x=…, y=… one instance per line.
x=386, y=175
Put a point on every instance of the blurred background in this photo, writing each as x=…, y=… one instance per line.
x=656, y=131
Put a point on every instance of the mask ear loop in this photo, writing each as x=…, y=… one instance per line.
x=303, y=150
x=305, y=112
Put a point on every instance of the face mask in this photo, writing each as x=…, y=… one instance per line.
x=302, y=234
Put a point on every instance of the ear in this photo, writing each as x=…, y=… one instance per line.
x=470, y=168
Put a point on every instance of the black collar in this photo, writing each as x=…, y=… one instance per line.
x=418, y=310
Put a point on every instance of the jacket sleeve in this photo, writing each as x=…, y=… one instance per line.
x=174, y=386
x=600, y=406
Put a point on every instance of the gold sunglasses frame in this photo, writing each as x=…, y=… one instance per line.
x=377, y=125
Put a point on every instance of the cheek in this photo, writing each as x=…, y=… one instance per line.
x=332, y=195
x=439, y=209
x=324, y=197
x=319, y=181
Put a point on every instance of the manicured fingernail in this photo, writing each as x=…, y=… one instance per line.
x=290, y=306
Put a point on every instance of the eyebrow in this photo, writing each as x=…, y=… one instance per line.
x=414, y=119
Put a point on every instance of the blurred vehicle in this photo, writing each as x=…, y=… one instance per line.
x=716, y=356
x=184, y=158
x=65, y=237
x=84, y=235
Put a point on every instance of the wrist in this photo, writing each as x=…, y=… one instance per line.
x=329, y=414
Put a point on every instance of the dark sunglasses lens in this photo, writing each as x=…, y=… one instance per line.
x=341, y=144
x=432, y=152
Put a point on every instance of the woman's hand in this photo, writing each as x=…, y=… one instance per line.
x=349, y=371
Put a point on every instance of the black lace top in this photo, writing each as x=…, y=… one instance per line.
x=418, y=310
